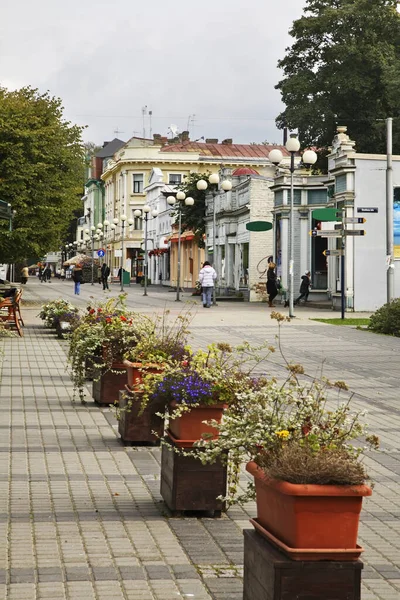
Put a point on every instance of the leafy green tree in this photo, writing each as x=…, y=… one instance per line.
x=41, y=172
x=193, y=217
x=343, y=69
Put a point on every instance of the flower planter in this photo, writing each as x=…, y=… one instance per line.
x=106, y=385
x=321, y=518
x=135, y=427
x=188, y=485
x=190, y=427
x=62, y=328
x=136, y=371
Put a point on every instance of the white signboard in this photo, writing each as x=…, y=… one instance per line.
x=117, y=253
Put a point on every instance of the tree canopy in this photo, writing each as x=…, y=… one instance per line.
x=193, y=217
x=41, y=172
x=343, y=69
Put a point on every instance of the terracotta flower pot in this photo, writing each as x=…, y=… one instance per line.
x=136, y=371
x=309, y=516
x=190, y=426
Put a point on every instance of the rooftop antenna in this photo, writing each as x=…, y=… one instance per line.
x=173, y=129
x=190, y=122
x=117, y=131
x=151, y=129
x=144, y=113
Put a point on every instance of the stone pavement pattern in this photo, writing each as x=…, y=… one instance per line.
x=82, y=516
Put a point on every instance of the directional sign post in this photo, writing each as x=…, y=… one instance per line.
x=354, y=232
x=350, y=220
x=326, y=233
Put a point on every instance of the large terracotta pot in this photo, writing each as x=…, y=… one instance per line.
x=136, y=371
x=309, y=516
x=190, y=426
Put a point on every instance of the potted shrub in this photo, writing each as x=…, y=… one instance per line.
x=66, y=322
x=51, y=311
x=104, y=334
x=303, y=450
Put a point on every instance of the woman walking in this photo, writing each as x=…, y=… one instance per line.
x=77, y=277
x=272, y=287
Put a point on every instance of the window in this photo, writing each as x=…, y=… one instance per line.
x=138, y=223
x=138, y=183
x=175, y=179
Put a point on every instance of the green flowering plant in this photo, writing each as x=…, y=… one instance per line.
x=107, y=331
x=294, y=430
x=51, y=311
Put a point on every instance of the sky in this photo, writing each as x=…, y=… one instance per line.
x=108, y=60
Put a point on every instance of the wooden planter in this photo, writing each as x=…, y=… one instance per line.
x=269, y=574
x=136, y=371
x=134, y=427
x=106, y=387
x=190, y=426
x=188, y=485
x=309, y=522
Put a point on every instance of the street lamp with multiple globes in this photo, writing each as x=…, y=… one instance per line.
x=91, y=233
x=309, y=158
x=106, y=225
x=213, y=182
x=171, y=200
x=138, y=213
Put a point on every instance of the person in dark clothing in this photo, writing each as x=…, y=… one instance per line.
x=77, y=277
x=105, y=273
x=41, y=274
x=304, y=287
x=47, y=273
x=272, y=287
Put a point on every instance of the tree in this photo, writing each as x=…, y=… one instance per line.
x=41, y=171
x=193, y=217
x=343, y=69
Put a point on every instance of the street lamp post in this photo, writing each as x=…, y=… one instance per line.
x=106, y=225
x=188, y=202
x=309, y=158
x=226, y=185
x=91, y=233
x=137, y=213
x=123, y=219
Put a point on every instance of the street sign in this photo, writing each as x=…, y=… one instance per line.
x=326, y=214
x=100, y=252
x=349, y=220
x=259, y=226
x=333, y=253
x=354, y=232
x=367, y=209
x=327, y=233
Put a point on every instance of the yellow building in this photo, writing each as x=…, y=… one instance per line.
x=128, y=173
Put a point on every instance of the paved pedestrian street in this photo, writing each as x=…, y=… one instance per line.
x=81, y=515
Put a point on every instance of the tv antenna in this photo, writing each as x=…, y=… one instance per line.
x=144, y=113
x=173, y=129
x=190, y=122
x=117, y=131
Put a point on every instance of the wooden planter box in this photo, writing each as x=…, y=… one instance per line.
x=190, y=426
x=270, y=575
x=187, y=485
x=136, y=428
x=106, y=387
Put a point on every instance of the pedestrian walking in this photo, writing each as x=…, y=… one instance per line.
x=304, y=287
x=46, y=275
x=99, y=277
x=272, y=283
x=24, y=275
x=41, y=274
x=207, y=277
x=77, y=277
x=62, y=274
x=105, y=273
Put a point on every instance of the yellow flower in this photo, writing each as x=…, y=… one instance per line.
x=284, y=434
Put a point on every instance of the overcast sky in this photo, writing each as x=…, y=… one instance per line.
x=214, y=59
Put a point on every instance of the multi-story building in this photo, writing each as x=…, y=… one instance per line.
x=127, y=178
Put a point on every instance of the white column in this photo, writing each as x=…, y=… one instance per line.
x=285, y=249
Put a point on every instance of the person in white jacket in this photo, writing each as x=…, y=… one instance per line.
x=207, y=276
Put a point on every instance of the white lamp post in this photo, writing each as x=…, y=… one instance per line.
x=171, y=200
x=309, y=158
x=92, y=232
x=106, y=225
x=123, y=219
x=226, y=185
x=146, y=210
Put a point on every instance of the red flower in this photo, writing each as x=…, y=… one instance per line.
x=185, y=363
x=108, y=320
x=99, y=310
x=123, y=318
x=91, y=311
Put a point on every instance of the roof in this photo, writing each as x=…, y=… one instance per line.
x=110, y=148
x=252, y=151
x=244, y=171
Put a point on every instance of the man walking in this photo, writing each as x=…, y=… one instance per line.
x=207, y=277
x=105, y=273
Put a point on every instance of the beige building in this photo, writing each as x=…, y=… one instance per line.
x=128, y=173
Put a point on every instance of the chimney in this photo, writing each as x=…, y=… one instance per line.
x=185, y=136
x=163, y=140
x=227, y=142
x=157, y=137
x=211, y=140
x=105, y=144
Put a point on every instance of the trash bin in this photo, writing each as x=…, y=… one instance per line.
x=127, y=278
